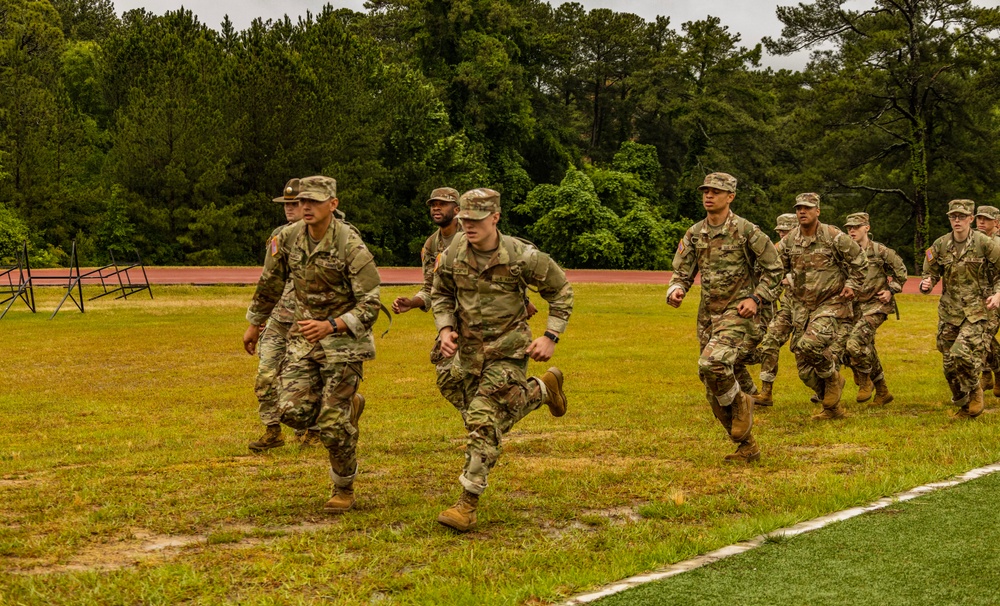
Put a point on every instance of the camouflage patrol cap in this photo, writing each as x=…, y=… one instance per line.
x=856, y=219
x=786, y=222
x=810, y=199
x=990, y=212
x=445, y=194
x=477, y=204
x=317, y=188
x=723, y=181
x=961, y=207
x=289, y=193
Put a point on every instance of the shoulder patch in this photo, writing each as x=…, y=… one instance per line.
x=930, y=254
x=272, y=245
x=680, y=247
x=437, y=262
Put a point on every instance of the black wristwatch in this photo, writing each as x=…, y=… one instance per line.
x=333, y=323
x=756, y=300
x=551, y=336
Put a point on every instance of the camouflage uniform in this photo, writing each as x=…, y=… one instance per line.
x=737, y=262
x=336, y=280
x=966, y=272
x=993, y=322
x=271, y=348
x=486, y=307
x=886, y=271
x=779, y=329
x=819, y=268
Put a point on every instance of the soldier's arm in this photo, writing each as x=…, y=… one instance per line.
x=365, y=282
x=272, y=281
x=897, y=270
x=770, y=267
x=685, y=265
x=993, y=258
x=443, y=300
x=427, y=263
x=550, y=279
x=931, y=273
x=854, y=261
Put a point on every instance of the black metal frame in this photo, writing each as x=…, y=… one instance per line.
x=23, y=289
x=126, y=287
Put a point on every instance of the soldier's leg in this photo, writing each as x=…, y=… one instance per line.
x=715, y=366
x=501, y=382
x=271, y=348
x=340, y=382
x=946, y=336
x=452, y=386
x=778, y=333
x=862, y=356
x=816, y=358
x=967, y=354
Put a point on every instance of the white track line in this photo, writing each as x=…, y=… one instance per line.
x=800, y=528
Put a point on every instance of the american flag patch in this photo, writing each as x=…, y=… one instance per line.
x=272, y=245
x=437, y=261
x=680, y=247
x=930, y=254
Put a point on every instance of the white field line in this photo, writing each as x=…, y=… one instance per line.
x=800, y=528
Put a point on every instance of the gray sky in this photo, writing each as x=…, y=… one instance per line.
x=753, y=19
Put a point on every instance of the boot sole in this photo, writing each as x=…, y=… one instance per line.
x=750, y=459
x=557, y=409
x=450, y=523
x=338, y=509
x=263, y=448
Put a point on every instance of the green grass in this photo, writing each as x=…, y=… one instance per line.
x=939, y=549
x=127, y=427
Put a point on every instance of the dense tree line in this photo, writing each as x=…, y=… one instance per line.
x=166, y=134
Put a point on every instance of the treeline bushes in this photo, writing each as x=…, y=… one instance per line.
x=163, y=133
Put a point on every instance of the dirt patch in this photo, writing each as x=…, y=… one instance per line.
x=143, y=545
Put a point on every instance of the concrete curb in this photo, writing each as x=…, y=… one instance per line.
x=800, y=528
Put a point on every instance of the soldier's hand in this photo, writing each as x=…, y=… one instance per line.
x=747, y=308
x=993, y=302
x=675, y=298
x=885, y=296
x=402, y=305
x=314, y=330
x=925, y=285
x=250, y=338
x=541, y=349
x=847, y=293
x=449, y=342
x=530, y=308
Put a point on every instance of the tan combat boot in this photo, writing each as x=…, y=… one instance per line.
x=882, y=395
x=462, y=515
x=987, y=381
x=976, y=402
x=748, y=452
x=341, y=501
x=555, y=398
x=357, y=409
x=310, y=438
x=742, y=409
x=996, y=388
x=271, y=439
x=833, y=390
x=866, y=387
x=765, y=397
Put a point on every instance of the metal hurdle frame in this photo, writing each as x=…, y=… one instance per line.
x=23, y=289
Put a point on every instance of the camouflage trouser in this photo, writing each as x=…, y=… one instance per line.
x=778, y=333
x=491, y=404
x=815, y=348
x=861, y=353
x=964, y=349
x=993, y=352
x=727, y=344
x=316, y=393
x=271, y=347
x=839, y=345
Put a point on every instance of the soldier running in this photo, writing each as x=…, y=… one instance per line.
x=988, y=222
x=779, y=330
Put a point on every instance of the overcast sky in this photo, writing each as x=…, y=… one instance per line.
x=753, y=19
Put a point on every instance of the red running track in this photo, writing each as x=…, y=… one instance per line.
x=203, y=276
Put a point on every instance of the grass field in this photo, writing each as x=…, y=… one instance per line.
x=125, y=475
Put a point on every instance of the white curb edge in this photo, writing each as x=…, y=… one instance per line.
x=797, y=529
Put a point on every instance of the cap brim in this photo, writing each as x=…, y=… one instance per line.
x=282, y=200
x=983, y=215
x=704, y=187
x=473, y=215
x=959, y=212
x=429, y=200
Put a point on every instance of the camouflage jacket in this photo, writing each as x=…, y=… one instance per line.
x=338, y=280
x=883, y=264
x=284, y=311
x=434, y=245
x=967, y=276
x=738, y=262
x=820, y=266
x=487, y=306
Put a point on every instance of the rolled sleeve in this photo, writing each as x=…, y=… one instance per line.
x=354, y=325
